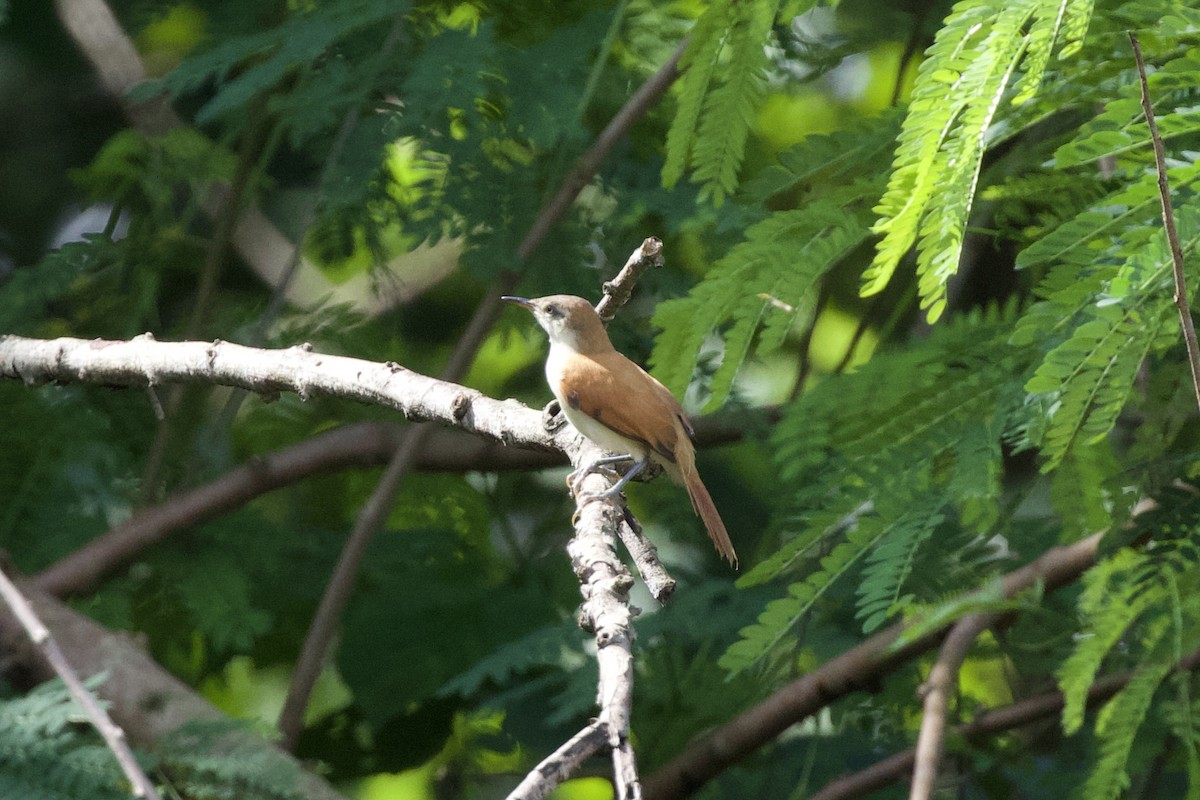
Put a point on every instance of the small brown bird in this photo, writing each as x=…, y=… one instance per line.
x=616, y=404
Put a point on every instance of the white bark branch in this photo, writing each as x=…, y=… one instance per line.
x=143, y=361
x=604, y=582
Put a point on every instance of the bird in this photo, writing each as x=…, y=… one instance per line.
x=619, y=406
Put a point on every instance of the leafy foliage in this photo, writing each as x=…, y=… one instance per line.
x=769, y=282
x=963, y=79
x=903, y=468
x=45, y=751
x=718, y=98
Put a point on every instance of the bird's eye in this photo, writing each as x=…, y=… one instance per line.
x=553, y=311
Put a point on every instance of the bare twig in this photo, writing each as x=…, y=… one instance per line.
x=938, y=687
x=1164, y=193
x=859, y=668
x=645, y=557
x=562, y=763
x=618, y=291
x=114, y=737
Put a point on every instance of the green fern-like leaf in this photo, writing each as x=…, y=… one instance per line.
x=1121, y=128
x=1087, y=378
x=43, y=753
x=959, y=89
x=782, y=257
x=698, y=63
x=1108, y=609
x=779, y=619
x=543, y=647
x=890, y=564
x=729, y=109
x=1079, y=492
x=1121, y=720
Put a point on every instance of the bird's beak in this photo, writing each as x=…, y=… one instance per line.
x=521, y=301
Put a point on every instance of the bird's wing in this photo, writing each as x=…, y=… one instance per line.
x=645, y=410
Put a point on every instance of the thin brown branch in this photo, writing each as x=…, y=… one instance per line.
x=938, y=687
x=113, y=736
x=1164, y=193
x=214, y=258
x=858, y=669
x=341, y=583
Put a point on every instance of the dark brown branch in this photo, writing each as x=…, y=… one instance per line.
x=1164, y=193
x=938, y=688
x=857, y=669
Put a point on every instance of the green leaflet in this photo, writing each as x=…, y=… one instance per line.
x=1123, y=314
x=890, y=564
x=44, y=753
x=941, y=407
x=782, y=257
x=959, y=89
x=1121, y=128
x=1122, y=719
x=1083, y=239
x=779, y=618
x=721, y=90
x=729, y=109
x=1108, y=606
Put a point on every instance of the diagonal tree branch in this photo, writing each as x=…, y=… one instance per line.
x=149, y=703
x=364, y=444
x=1164, y=194
x=114, y=737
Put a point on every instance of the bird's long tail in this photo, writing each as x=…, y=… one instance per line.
x=702, y=502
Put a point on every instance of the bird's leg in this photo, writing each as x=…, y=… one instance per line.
x=637, y=467
x=575, y=476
